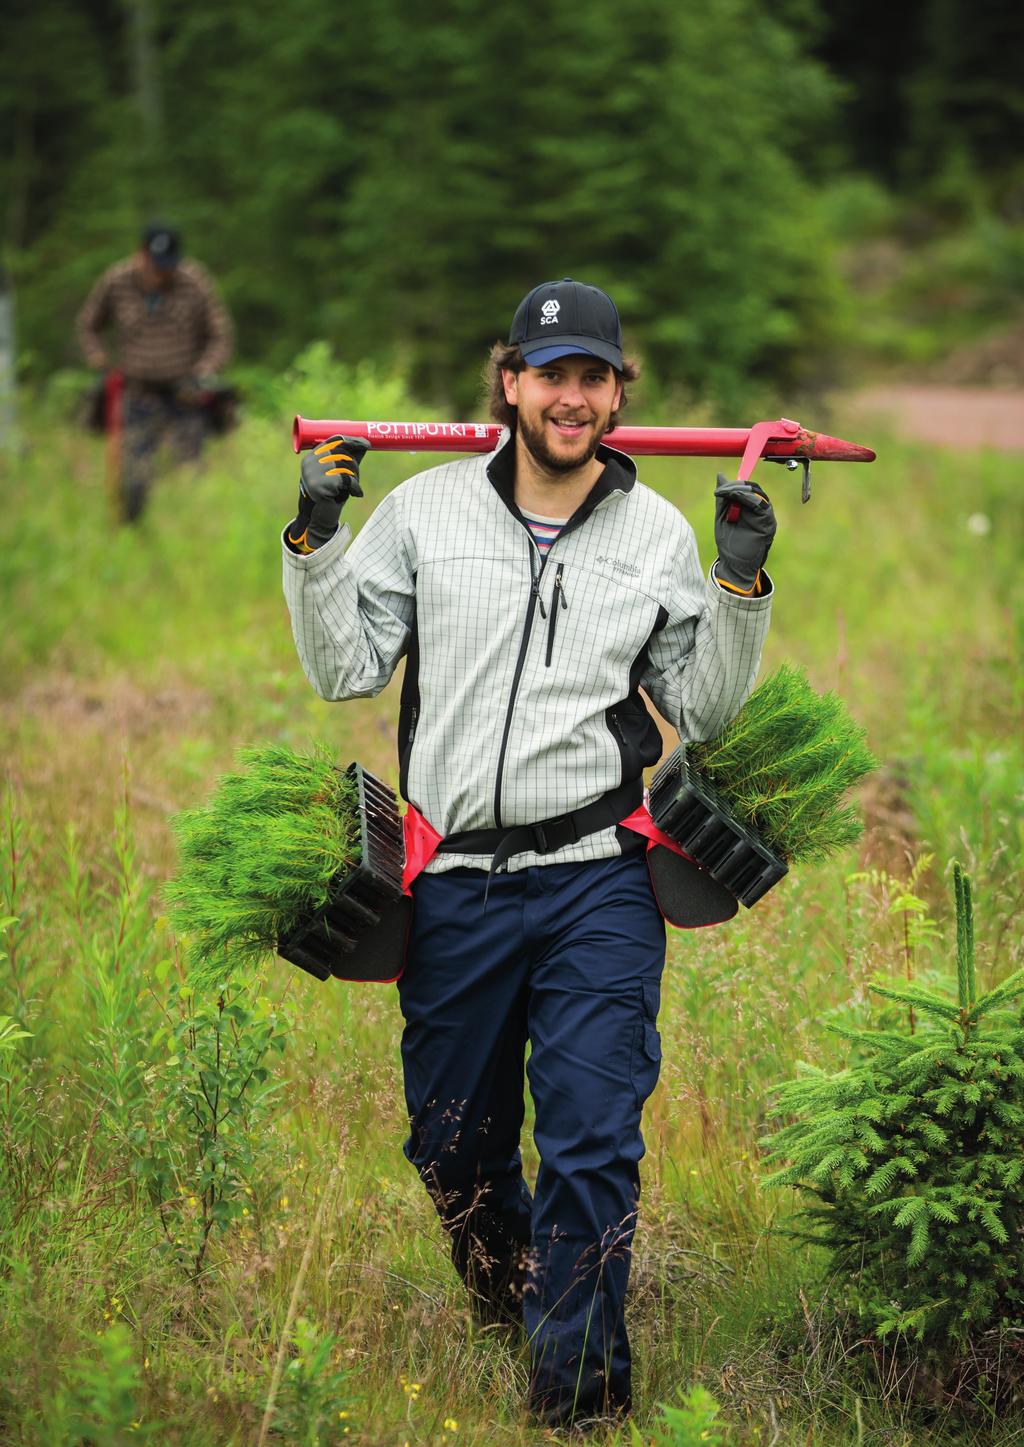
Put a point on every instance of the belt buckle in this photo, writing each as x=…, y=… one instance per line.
x=548, y=836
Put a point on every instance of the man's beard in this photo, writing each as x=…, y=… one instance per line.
x=536, y=445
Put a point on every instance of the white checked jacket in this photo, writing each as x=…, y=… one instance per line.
x=520, y=698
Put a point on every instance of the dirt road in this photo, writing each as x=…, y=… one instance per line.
x=968, y=417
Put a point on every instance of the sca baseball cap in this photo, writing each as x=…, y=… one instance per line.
x=163, y=244
x=564, y=318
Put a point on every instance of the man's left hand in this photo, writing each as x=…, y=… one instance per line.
x=742, y=545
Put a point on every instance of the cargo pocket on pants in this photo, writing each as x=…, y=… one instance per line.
x=645, y=1059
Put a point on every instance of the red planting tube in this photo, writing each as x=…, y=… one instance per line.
x=781, y=438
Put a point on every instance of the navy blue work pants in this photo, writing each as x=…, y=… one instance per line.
x=568, y=957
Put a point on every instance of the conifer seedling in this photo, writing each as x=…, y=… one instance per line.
x=262, y=852
x=784, y=765
x=913, y=1158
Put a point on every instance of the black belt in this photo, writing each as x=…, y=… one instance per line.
x=549, y=834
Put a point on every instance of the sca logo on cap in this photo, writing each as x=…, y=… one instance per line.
x=549, y=312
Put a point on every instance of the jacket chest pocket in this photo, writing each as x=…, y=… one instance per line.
x=591, y=624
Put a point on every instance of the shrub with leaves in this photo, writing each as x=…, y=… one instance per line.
x=258, y=855
x=317, y=1405
x=784, y=764
x=914, y=1158
x=205, y=1152
x=693, y=1422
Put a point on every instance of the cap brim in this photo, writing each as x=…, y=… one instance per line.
x=540, y=355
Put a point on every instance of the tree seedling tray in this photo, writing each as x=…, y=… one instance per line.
x=695, y=815
x=361, y=933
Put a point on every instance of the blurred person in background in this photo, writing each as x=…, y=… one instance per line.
x=156, y=320
x=532, y=591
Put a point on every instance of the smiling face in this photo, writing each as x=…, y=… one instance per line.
x=564, y=409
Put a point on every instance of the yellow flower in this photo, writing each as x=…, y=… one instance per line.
x=450, y=1424
x=342, y=1416
x=245, y=1210
x=284, y=1203
x=193, y=1201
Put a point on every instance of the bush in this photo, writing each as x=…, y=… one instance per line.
x=914, y=1158
x=785, y=762
x=262, y=852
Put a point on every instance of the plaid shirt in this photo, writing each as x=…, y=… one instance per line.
x=158, y=336
x=520, y=699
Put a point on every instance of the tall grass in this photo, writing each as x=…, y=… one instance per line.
x=170, y=648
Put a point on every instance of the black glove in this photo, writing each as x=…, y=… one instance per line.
x=329, y=477
x=742, y=545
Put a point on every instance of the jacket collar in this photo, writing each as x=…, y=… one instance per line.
x=619, y=475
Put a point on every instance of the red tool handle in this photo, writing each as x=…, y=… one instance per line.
x=781, y=438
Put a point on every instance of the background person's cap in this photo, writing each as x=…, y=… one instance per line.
x=163, y=245
x=566, y=318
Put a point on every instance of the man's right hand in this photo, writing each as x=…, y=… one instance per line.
x=329, y=477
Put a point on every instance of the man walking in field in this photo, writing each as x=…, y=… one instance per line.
x=157, y=318
x=532, y=592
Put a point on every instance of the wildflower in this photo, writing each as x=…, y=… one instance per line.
x=342, y=1416
x=284, y=1203
x=245, y=1210
x=450, y=1424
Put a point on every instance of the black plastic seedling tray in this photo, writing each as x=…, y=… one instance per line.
x=361, y=933
x=690, y=811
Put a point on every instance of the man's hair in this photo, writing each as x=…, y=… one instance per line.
x=506, y=358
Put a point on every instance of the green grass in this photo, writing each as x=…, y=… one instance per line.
x=135, y=665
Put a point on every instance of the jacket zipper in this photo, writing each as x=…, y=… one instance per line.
x=557, y=596
x=524, y=641
x=535, y=599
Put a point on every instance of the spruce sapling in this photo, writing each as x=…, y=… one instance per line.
x=783, y=765
x=258, y=855
x=914, y=1159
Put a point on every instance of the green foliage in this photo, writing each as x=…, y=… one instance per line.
x=784, y=764
x=314, y=1407
x=913, y=1157
x=693, y=1423
x=10, y=1031
x=101, y=1404
x=262, y=851
x=201, y=1151
x=408, y=217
